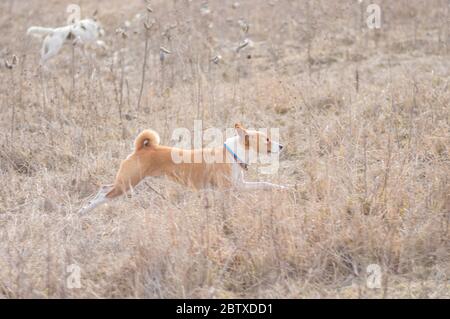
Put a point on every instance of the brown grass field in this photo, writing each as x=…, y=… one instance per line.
x=364, y=116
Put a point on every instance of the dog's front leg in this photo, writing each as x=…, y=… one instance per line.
x=259, y=185
x=131, y=173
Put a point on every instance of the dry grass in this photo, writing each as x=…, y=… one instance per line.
x=370, y=160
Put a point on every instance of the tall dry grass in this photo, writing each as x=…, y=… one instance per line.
x=364, y=116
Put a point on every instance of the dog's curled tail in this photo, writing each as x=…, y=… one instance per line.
x=146, y=138
x=39, y=31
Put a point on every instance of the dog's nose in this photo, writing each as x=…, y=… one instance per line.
x=281, y=147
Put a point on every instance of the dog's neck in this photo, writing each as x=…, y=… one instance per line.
x=237, y=151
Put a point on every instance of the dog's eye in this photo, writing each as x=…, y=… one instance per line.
x=267, y=140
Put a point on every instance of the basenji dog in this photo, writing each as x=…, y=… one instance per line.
x=150, y=158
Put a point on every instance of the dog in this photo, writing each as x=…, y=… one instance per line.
x=152, y=159
x=85, y=32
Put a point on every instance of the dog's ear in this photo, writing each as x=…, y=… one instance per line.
x=242, y=132
x=94, y=15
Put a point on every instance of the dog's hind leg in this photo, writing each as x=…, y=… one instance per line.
x=90, y=58
x=130, y=174
x=98, y=199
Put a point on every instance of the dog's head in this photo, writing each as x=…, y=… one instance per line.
x=257, y=141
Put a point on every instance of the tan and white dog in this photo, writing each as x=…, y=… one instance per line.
x=152, y=159
x=84, y=32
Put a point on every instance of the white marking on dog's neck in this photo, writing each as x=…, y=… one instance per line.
x=237, y=148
